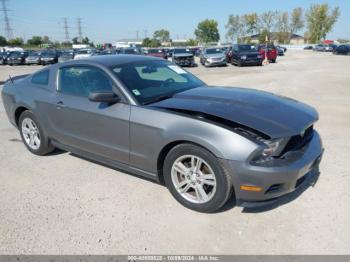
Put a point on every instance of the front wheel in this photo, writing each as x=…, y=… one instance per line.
x=196, y=178
x=33, y=135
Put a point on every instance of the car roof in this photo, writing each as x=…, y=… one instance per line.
x=114, y=60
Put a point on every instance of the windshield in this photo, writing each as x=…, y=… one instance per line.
x=154, y=51
x=131, y=51
x=246, y=48
x=213, y=51
x=84, y=52
x=15, y=54
x=152, y=81
x=34, y=54
x=48, y=54
x=181, y=50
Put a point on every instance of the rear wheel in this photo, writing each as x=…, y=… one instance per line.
x=273, y=61
x=33, y=135
x=196, y=178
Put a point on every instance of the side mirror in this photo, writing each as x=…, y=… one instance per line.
x=104, y=96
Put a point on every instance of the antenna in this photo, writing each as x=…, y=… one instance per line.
x=8, y=28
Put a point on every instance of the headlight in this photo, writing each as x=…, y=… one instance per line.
x=259, y=56
x=243, y=57
x=273, y=148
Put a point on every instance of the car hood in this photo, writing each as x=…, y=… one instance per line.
x=215, y=56
x=182, y=55
x=272, y=115
x=249, y=53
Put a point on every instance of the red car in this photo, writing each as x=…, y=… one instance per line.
x=271, y=52
x=156, y=52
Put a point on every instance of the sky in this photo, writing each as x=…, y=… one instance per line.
x=109, y=21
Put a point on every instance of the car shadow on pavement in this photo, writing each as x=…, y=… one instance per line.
x=309, y=182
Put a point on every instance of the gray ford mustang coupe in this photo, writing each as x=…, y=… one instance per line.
x=151, y=118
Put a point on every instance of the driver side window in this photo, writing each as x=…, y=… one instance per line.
x=82, y=80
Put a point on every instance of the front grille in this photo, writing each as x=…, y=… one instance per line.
x=299, y=141
x=252, y=56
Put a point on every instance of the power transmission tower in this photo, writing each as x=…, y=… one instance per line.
x=80, y=33
x=66, y=32
x=145, y=33
x=8, y=29
x=137, y=34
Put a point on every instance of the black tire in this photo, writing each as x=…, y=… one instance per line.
x=45, y=145
x=223, y=179
x=273, y=61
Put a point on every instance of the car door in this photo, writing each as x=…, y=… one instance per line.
x=95, y=127
x=235, y=52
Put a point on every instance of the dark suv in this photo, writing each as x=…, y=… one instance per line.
x=243, y=55
x=17, y=58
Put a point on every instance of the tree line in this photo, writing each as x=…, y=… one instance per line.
x=37, y=41
x=318, y=20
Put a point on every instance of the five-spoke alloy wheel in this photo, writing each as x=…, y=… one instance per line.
x=32, y=134
x=196, y=178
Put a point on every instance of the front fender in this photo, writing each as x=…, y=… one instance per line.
x=152, y=130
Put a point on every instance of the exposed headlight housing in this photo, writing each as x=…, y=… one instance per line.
x=271, y=148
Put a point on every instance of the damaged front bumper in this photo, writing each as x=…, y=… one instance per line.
x=275, y=180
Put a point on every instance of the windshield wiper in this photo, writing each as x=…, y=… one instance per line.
x=157, y=99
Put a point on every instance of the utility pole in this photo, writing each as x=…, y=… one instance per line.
x=80, y=34
x=8, y=29
x=145, y=32
x=137, y=34
x=66, y=32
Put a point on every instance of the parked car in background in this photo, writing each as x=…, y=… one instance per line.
x=308, y=47
x=169, y=52
x=17, y=58
x=342, y=50
x=149, y=117
x=183, y=57
x=34, y=58
x=213, y=56
x=155, y=52
x=109, y=51
x=49, y=57
x=282, y=47
x=66, y=55
x=84, y=53
x=320, y=48
x=3, y=57
x=271, y=52
x=244, y=54
x=130, y=51
x=280, y=51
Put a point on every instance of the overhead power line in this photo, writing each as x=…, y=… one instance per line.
x=65, y=26
x=80, y=33
x=8, y=28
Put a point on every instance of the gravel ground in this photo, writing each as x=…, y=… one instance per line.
x=62, y=204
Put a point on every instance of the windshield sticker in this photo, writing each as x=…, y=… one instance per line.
x=177, y=69
x=136, y=92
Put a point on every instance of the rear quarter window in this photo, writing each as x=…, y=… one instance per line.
x=41, y=78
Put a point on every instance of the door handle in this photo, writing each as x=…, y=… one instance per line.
x=60, y=105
